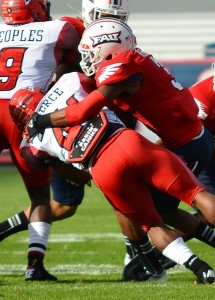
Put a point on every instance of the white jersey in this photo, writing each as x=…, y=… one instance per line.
x=57, y=142
x=30, y=53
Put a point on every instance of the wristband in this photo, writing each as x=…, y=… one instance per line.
x=44, y=121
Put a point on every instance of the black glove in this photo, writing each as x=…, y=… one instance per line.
x=32, y=129
x=37, y=124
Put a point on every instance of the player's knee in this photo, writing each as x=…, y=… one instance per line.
x=60, y=211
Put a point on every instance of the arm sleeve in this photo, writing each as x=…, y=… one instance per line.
x=84, y=110
x=77, y=23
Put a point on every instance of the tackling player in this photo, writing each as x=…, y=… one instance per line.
x=141, y=85
x=136, y=82
x=130, y=166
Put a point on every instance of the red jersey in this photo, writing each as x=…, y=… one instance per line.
x=161, y=103
x=204, y=95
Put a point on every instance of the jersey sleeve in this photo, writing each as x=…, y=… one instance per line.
x=70, y=37
x=122, y=68
x=77, y=23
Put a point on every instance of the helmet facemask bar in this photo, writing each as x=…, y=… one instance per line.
x=113, y=12
x=47, y=9
x=91, y=16
x=22, y=113
x=29, y=113
x=90, y=60
x=45, y=14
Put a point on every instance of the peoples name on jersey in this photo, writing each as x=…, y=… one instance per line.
x=21, y=35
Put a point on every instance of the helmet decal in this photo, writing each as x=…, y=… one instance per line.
x=108, y=71
x=106, y=38
x=27, y=2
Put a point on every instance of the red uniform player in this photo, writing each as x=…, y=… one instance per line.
x=130, y=161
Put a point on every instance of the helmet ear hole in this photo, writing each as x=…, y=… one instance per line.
x=109, y=57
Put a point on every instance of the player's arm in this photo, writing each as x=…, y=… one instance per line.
x=68, y=42
x=82, y=111
x=67, y=170
x=125, y=88
x=79, y=112
x=66, y=67
x=70, y=172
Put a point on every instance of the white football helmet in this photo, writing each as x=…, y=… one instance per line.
x=103, y=40
x=93, y=10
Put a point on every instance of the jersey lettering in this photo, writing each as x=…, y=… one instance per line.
x=49, y=99
x=21, y=36
x=10, y=67
x=176, y=84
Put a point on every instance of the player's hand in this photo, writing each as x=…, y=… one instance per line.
x=31, y=129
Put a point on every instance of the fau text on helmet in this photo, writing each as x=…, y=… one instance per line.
x=106, y=38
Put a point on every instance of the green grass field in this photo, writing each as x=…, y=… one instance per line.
x=86, y=253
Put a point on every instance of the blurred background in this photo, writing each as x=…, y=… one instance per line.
x=147, y=6
x=180, y=34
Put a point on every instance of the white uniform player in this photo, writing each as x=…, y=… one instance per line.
x=54, y=142
x=31, y=48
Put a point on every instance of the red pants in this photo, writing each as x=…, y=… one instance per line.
x=127, y=162
x=10, y=138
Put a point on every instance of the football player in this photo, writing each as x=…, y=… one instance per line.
x=144, y=242
x=204, y=95
x=136, y=82
x=93, y=10
x=67, y=196
x=32, y=46
x=130, y=167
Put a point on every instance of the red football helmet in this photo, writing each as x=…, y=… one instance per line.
x=23, y=104
x=25, y=11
